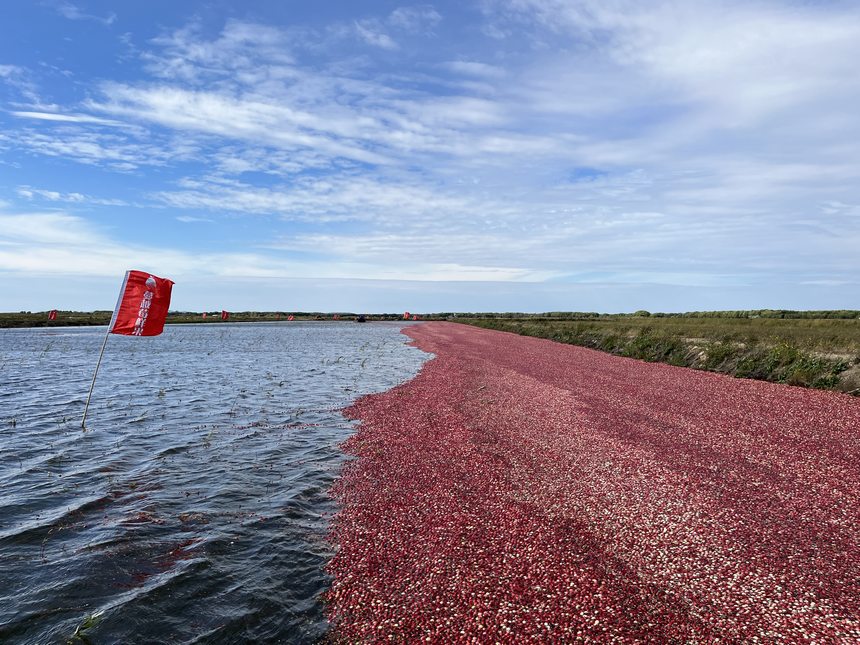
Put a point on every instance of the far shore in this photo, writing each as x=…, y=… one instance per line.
x=816, y=349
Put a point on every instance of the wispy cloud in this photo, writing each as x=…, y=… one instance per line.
x=259, y=120
x=372, y=32
x=474, y=68
x=663, y=143
x=120, y=152
x=241, y=48
x=19, y=78
x=64, y=118
x=8, y=71
x=73, y=12
x=189, y=219
x=30, y=193
x=405, y=21
x=417, y=18
x=320, y=200
x=57, y=243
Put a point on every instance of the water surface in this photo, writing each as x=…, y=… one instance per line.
x=196, y=508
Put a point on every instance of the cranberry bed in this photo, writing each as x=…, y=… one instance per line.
x=522, y=490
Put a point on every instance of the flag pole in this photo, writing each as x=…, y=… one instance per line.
x=104, y=344
x=93, y=384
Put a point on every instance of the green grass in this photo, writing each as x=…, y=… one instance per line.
x=64, y=319
x=78, y=318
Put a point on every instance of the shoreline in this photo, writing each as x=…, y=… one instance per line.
x=817, y=352
x=521, y=490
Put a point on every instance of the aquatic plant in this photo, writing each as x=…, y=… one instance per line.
x=87, y=623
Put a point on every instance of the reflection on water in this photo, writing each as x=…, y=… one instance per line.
x=195, y=509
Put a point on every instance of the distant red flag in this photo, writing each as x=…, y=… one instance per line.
x=291, y=317
x=414, y=316
x=204, y=314
x=336, y=317
x=225, y=315
x=52, y=315
x=142, y=305
x=405, y=315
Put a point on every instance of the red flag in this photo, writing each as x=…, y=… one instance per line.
x=405, y=315
x=225, y=315
x=291, y=317
x=52, y=315
x=142, y=305
x=204, y=314
x=414, y=316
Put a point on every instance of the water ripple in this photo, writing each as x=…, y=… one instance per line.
x=196, y=508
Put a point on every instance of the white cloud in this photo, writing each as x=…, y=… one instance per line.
x=8, y=71
x=55, y=243
x=734, y=63
x=30, y=193
x=65, y=118
x=835, y=207
x=19, y=78
x=116, y=151
x=320, y=200
x=73, y=12
x=259, y=120
x=186, y=55
x=188, y=219
x=372, y=32
x=56, y=229
x=474, y=68
x=414, y=18
x=636, y=141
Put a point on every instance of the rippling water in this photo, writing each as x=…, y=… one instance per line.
x=195, y=509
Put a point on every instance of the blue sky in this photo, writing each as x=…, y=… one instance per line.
x=525, y=155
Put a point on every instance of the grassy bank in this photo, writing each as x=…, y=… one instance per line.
x=821, y=353
x=83, y=318
x=818, y=349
